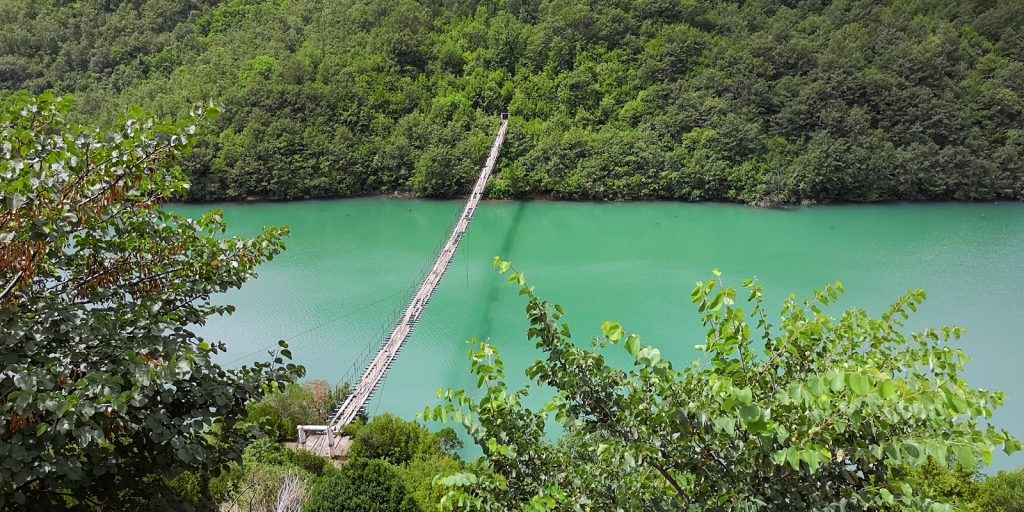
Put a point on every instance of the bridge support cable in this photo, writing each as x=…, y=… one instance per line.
x=375, y=372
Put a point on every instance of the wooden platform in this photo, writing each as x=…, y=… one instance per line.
x=319, y=446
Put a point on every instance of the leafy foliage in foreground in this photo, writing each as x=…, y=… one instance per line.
x=811, y=413
x=759, y=101
x=105, y=391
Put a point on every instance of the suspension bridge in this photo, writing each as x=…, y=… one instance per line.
x=326, y=439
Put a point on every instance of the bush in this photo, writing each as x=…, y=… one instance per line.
x=448, y=440
x=279, y=414
x=79, y=423
x=256, y=487
x=821, y=407
x=224, y=485
x=419, y=477
x=188, y=486
x=1003, y=492
x=390, y=438
x=397, y=441
x=362, y=485
x=269, y=420
x=265, y=451
x=256, y=484
x=312, y=463
x=952, y=482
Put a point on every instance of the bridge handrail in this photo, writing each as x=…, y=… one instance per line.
x=377, y=368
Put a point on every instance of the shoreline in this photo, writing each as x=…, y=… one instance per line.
x=405, y=196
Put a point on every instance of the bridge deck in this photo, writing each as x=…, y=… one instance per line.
x=375, y=372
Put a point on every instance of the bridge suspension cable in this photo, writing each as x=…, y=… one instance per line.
x=326, y=442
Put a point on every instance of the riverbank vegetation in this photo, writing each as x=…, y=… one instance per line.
x=391, y=466
x=762, y=102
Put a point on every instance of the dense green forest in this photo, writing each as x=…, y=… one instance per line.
x=765, y=101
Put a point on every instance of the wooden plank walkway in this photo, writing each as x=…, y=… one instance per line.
x=374, y=374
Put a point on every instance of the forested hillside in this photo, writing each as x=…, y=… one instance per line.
x=764, y=101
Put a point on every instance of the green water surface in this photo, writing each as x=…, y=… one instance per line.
x=351, y=263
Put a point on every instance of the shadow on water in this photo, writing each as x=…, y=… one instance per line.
x=498, y=285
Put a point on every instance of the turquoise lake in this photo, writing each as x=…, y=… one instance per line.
x=351, y=263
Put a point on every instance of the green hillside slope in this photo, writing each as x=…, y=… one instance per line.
x=764, y=101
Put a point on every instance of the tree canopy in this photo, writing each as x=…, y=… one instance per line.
x=764, y=101
x=105, y=391
x=797, y=411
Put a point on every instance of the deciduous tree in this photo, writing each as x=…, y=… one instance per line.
x=804, y=410
x=105, y=389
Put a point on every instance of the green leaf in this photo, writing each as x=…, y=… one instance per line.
x=858, y=383
x=887, y=497
x=914, y=452
x=965, y=455
x=816, y=386
x=612, y=331
x=725, y=424
x=744, y=396
x=750, y=412
x=649, y=356
x=793, y=457
x=633, y=344
x=835, y=380
x=779, y=457
x=887, y=389
x=958, y=403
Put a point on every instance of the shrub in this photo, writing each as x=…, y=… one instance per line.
x=362, y=485
x=390, y=438
x=949, y=483
x=398, y=441
x=269, y=421
x=265, y=451
x=224, y=485
x=448, y=440
x=419, y=477
x=1003, y=492
x=188, y=486
x=256, y=486
x=105, y=393
x=307, y=461
x=280, y=413
x=353, y=428
x=808, y=414
x=260, y=484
